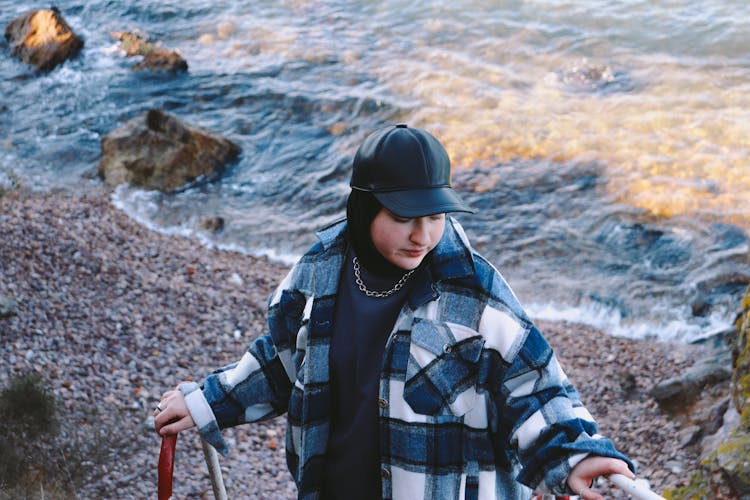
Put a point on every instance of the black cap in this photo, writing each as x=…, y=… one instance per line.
x=408, y=171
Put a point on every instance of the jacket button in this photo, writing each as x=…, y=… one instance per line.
x=382, y=403
x=447, y=349
x=385, y=474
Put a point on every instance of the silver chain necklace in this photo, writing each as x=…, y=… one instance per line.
x=398, y=286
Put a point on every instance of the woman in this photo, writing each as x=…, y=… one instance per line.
x=403, y=360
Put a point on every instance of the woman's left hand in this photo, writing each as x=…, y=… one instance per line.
x=583, y=474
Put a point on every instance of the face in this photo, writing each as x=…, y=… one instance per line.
x=405, y=242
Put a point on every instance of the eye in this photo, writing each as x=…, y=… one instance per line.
x=437, y=217
x=401, y=220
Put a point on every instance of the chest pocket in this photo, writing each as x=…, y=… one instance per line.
x=442, y=369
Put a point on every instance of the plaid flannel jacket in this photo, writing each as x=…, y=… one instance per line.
x=473, y=403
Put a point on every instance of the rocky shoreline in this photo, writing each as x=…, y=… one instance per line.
x=110, y=314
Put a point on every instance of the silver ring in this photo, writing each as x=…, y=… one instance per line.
x=158, y=408
x=580, y=493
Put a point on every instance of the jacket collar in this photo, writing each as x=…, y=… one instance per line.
x=332, y=233
x=452, y=258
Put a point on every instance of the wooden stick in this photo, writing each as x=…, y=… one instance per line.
x=214, y=470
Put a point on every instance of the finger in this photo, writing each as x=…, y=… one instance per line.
x=159, y=407
x=611, y=466
x=586, y=493
x=159, y=421
x=616, y=466
x=168, y=414
x=165, y=416
x=176, y=426
x=626, y=472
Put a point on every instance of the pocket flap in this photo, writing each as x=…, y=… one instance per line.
x=431, y=336
x=442, y=367
x=440, y=338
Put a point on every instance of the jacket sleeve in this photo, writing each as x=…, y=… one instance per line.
x=546, y=430
x=255, y=388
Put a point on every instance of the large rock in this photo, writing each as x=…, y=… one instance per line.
x=157, y=150
x=732, y=461
x=42, y=38
x=725, y=467
x=155, y=58
x=741, y=364
x=679, y=393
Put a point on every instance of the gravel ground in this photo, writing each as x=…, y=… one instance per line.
x=111, y=314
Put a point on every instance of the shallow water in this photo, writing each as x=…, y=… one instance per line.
x=604, y=144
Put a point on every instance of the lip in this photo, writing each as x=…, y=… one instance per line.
x=414, y=253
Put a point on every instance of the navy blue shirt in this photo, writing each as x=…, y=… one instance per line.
x=362, y=325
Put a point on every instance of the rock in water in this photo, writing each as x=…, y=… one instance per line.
x=212, y=224
x=587, y=77
x=157, y=150
x=42, y=38
x=155, y=58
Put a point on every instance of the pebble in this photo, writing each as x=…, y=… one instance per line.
x=115, y=325
x=690, y=435
x=675, y=467
x=7, y=307
x=131, y=316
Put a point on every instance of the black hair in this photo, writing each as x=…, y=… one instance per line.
x=361, y=209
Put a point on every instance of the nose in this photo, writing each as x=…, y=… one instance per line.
x=420, y=232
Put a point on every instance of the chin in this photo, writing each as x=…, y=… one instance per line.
x=408, y=263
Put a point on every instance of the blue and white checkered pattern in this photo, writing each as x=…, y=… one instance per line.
x=472, y=399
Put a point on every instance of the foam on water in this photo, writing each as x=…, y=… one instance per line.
x=140, y=205
x=611, y=321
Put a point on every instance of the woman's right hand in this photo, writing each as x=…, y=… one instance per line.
x=171, y=415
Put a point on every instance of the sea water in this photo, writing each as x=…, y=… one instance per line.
x=604, y=144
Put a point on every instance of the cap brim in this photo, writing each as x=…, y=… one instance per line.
x=422, y=202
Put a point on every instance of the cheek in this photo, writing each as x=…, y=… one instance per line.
x=384, y=238
x=397, y=238
x=437, y=233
